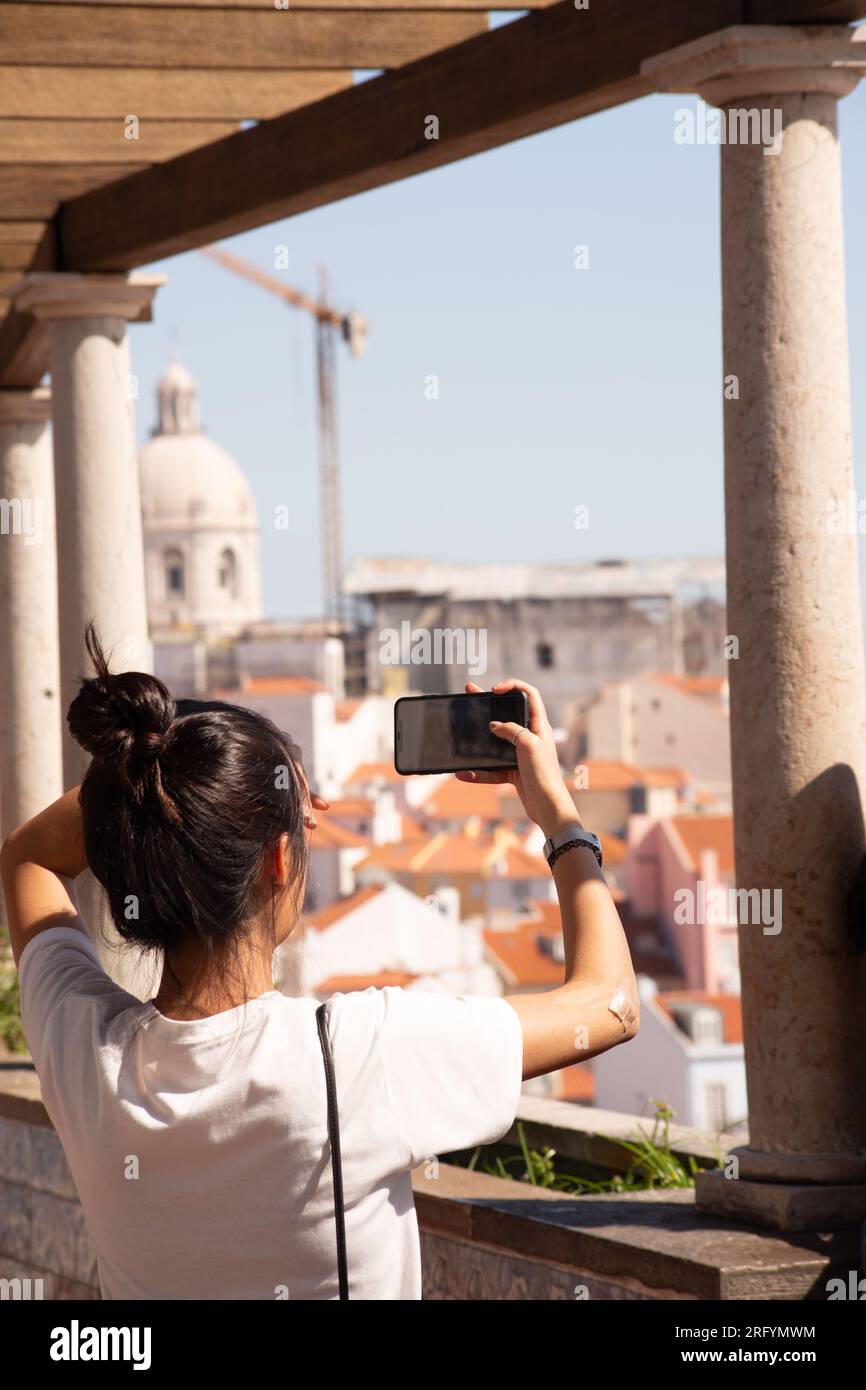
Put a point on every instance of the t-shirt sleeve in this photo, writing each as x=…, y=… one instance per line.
x=56, y=966
x=453, y=1066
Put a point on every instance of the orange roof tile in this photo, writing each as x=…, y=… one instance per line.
x=608, y=775
x=665, y=776
x=412, y=830
x=520, y=956
x=330, y=834
x=347, y=984
x=393, y=858
x=729, y=1005
x=707, y=687
x=454, y=800
x=281, y=685
x=613, y=850
x=336, y=911
x=374, y=772
x=577, y=1084
x=351, y=807
x=702, y=832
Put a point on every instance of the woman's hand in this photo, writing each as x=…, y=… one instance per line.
x=537, y=777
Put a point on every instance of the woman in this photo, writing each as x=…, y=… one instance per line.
x=195, y=1124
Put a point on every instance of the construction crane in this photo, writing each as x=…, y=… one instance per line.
x=353, y=329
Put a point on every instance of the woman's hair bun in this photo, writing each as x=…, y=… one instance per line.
x=123, y=718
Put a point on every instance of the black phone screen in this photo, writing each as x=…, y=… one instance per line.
x=449, y=733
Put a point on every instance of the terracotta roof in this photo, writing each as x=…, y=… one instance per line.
x=520, y=955
x=374, y=772
x=330, y=834
x=707, y=687
x=351, y=807
x=665, y=776
x=729, y=1005
x=394, y=858
x=454, y=800
x=613, y=850
x=412, y=830
x=699, y=833
x=577, y=1084
x=607, y=775
x=325, y=917
x=486, y=856
x=281, y=685
x=348, y=984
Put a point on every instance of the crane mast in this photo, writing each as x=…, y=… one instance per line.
x=353, y=329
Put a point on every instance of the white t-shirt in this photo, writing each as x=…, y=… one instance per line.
x=199, y=1149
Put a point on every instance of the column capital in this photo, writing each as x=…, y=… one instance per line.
x=69, y=295
x=20, y=407
x=753, y=60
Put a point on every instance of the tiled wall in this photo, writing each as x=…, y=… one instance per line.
x=42, y=1233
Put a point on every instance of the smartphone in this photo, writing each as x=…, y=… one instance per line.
x=450, y=733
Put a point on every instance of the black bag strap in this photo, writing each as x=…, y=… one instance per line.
x=334, y=1137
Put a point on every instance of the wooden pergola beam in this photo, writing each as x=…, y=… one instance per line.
x=77, y=142
x=111, y=35
x=95, y=93
x=540, y=71
x=23, y=339
x=318, y=4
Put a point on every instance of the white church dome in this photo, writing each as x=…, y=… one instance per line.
x=201, y=532
x=187, y=475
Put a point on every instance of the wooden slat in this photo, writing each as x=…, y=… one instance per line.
x=112, y=35
x=323, y=4
x=23, y=339
x=804, y=11
x=103, y=142
x=31, y=232
x=15, y=255
x=32, y=191
x=223, y=93
x=538, y=72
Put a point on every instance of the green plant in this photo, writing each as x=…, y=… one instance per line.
x=653, y=1165
x=11, y=1031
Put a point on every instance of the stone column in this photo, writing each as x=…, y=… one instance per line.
x=99, y=539
x=798, y=709
x=30, y=758
x=100, y=555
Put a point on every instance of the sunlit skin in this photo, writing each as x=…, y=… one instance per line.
x=254, y=975
x=42, y=858
x=596, y=1006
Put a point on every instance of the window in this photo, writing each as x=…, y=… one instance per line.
x=227, y=573
x=544, y=654
x=175, y=577
x=716, y=1101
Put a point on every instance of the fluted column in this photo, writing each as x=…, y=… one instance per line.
x=798, y=709
x=100, y=553
x=30, y=763
x=99, y=538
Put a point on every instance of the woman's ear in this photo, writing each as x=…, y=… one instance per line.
x=279, y=861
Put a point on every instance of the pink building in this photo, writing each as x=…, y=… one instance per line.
x=681, y=870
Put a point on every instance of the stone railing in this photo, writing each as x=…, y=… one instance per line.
x=482, y=1237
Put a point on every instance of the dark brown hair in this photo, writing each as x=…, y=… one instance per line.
x=182, y=804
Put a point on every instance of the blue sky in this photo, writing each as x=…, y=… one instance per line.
x=558, y=387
